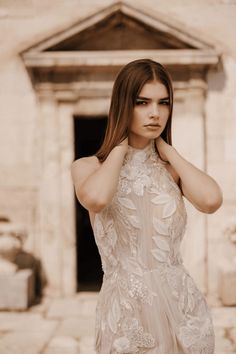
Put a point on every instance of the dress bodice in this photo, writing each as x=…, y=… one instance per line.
x=147, y=212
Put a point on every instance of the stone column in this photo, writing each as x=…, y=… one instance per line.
x=221, y=128
x=67, y=199
x=189, y=139
x=50, y=195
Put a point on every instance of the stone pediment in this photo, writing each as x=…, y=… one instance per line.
x=117, y=34
x=119, y=31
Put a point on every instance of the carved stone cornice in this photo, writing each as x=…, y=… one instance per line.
x=177, y=57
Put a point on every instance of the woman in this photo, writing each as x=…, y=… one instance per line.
x=133, y=191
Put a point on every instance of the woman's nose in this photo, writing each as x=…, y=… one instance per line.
x=154, y=111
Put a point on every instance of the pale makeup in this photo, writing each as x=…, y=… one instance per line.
x=150, y=114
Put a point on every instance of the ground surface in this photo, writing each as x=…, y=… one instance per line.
x=66, y=326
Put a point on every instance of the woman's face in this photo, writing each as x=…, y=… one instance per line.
x=150, y=114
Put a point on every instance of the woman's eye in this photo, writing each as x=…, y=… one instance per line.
x=140, y=102
x=165, y=103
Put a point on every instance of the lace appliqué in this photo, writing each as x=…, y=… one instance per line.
x=106, y=239
x=196, y=330
x=198, y=337
x=161, y=226
x=139, y=291
x=134, y=338
x=137, y=172
x=120, y=318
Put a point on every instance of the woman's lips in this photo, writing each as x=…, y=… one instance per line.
x=153, y=125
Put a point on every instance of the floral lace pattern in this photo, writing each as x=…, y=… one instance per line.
x=135, y=338
x=148, y=301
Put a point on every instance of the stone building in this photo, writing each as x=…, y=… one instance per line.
x=57, y=64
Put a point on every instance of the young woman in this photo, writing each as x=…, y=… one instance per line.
x=133, y=190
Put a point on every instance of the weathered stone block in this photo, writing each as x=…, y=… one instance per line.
x=227, y=282
x=63, y=345
x=87, y=345
x=17, y=290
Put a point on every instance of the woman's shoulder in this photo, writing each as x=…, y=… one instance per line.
x=85, y=165
x=89, y=161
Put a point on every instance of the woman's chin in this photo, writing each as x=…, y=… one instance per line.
x=152, y=135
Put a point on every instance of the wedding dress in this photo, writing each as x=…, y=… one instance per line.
x=148, y=302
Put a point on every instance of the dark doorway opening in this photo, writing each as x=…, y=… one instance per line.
x=89, y=134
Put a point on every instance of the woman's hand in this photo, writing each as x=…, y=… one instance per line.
x=163, y=148
x=199, y=188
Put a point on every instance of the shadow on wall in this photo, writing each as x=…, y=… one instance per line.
x=20, y=271
x=216, y=78
x=25, y=260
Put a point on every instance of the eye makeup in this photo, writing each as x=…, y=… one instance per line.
x=144, y=100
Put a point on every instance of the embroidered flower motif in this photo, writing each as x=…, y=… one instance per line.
x=134, y=171
x=140, y=291
x=137, y=336
x=124, y=187
x=196, y=336
x=121, y=345
x=188, y=334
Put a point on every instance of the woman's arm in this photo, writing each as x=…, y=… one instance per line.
x=96, y=183
x=198, y=187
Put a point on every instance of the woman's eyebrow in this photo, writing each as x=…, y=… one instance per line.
x=164, y=99
x=149, y=99
x=143, y=98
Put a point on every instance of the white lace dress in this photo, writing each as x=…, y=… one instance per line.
x=148, y=302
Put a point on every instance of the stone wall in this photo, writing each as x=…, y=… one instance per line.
x=25, y=23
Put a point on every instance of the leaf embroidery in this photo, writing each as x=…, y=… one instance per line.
x=169, y=201
x=160, y=226
x=160, y=255
x=161, y=243
x=113, y=238
x=127, y=203
x=169, y=209
x=112, y=233
x=133, y=266
x=114, y=316
x=161, y=199
x=134, y=221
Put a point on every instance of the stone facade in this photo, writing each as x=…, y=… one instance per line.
x=53, y=68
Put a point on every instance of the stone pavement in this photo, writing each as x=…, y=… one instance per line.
x=66, y=326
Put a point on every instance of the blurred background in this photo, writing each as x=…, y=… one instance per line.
x=58, y=61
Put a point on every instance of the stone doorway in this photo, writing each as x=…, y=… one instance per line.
x=88, y=133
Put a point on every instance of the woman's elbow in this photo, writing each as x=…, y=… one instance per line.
x=97, y=206
x=213, y=203
x=93, y=203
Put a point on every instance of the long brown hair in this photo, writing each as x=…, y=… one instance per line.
x=127, y=86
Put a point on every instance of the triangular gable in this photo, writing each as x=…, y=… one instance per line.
x=121, y=26
x=118, y=34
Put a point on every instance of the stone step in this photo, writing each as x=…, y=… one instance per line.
x=62, y=345
x=86, y=345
